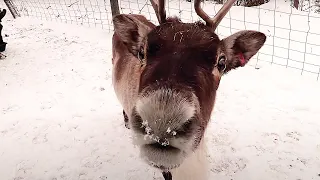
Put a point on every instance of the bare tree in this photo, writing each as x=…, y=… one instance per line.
x=306, y=5
x=296, y=4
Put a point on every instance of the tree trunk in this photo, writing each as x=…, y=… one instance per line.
x=296, y=4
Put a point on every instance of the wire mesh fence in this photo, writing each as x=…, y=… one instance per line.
x=90, y=13
x=293, y=31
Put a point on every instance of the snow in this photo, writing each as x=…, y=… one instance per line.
x=59, y=117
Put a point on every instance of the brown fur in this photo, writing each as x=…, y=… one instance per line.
x=126, y=70
x=185, y=58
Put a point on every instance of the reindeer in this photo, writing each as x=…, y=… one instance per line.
x=166, y=77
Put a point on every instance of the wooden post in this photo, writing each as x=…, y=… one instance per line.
x=12, y=8
x=115, y=10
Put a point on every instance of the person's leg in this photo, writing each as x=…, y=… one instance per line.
x=1, y=39
x=2, y=14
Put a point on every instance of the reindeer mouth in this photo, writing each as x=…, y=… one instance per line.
x=162, y=148
x=162, y=157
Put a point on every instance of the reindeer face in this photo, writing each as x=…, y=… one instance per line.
x=177, y=91
x=182, y=67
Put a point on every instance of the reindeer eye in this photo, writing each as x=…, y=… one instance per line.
x=222, y=63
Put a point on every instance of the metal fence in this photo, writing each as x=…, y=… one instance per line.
x=293, y=35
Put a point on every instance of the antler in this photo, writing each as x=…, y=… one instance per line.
x=159, y=10
x=213, y=22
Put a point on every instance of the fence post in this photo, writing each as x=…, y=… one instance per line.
x=12, y=8
x=114, y=7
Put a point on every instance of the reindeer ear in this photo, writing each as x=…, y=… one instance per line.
x=131, y=31
x=240, y=47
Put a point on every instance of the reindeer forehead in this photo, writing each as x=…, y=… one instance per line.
x=177, y=35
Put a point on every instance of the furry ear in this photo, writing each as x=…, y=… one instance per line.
x=239, y=48
x=132, y=31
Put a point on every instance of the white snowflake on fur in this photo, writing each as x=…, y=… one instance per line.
x=168, y=130
x=157, y=139
x=145, y=123
x=174, y=133
x=165, y=143
x=171, y=131
x=148, y=130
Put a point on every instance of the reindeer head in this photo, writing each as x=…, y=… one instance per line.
x=181, y=67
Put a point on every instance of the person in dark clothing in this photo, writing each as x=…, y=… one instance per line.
x=2, y=14
x=2, y=43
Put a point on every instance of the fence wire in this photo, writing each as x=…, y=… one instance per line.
x=293, y=34
x=92, y=13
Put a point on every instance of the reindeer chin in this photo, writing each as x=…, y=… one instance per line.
x=163, y=160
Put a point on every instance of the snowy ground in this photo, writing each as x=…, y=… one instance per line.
x=60, y=120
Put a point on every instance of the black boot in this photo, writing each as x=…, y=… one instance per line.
x=167, y=175
x=2, y=14
x=126, y=120
x=2, y=44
